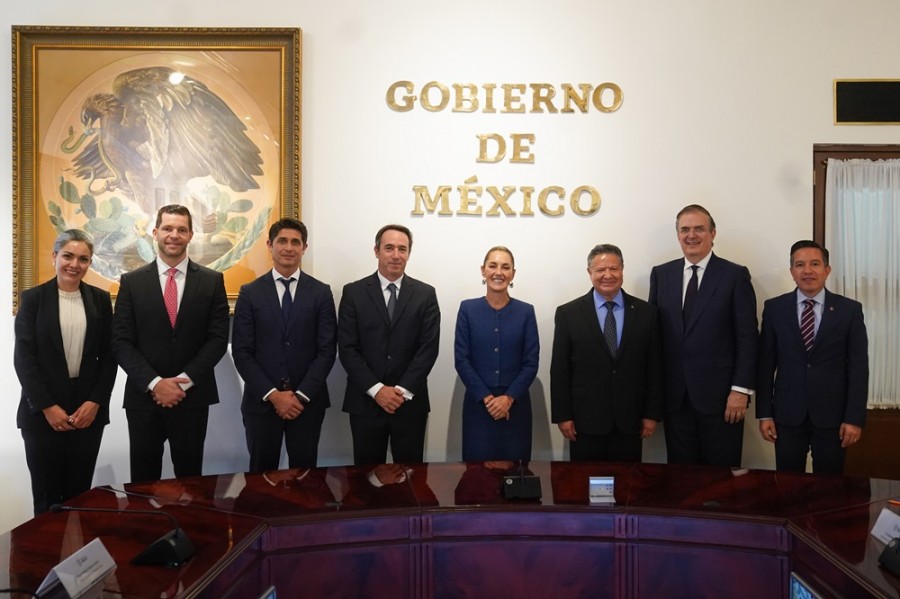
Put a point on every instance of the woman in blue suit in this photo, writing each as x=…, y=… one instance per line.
x=497, y=351
x=67, y=371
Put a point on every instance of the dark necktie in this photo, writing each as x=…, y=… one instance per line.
x=392, y=300
x=690, y=295
x=808, y=323
x=286, y=300
x=609, y=328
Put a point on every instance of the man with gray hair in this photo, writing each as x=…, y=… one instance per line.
x=606, y=370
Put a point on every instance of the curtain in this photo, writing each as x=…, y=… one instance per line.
x=862, y=232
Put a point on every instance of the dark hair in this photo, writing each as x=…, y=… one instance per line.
x=73, y=235
x=809, y=243
x=500, y=248
x=399, y=228
x=605, y=248
x=692, y=208
x=174, y=209
x=288, y=223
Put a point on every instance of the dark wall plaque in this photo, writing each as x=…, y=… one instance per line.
x=867, y=102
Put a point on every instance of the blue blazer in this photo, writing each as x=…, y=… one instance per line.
x=265, y=350
x=372, y=349
x=718, y=347
x=830, y=382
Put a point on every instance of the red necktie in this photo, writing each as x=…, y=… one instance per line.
x=170, y=295
x=808, y=323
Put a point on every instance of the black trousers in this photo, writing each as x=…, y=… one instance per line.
x=61, y=463
x=264, y=433
x=371, y=435
x=612, y=447
x=795, y=442
x=148, y=431
x=695, y=438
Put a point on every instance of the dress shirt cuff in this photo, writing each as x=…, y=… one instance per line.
x=153, y=383
x=188, y=385
x=743, y=390
x=271, y=391
x=407, y=395
x=374, y=389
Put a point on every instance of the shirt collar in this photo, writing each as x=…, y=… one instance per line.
x=819, y=297
x=385, y=282
x=702, y=263
x=164, y=268
x=276, y=275
x=599, y=300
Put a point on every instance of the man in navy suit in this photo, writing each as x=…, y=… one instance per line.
x=707, y=308
x=388, y=334
x=170, y=329
x=813, y=368
x=606, y=372
x=284, y=344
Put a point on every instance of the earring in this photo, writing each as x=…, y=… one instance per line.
x=484, y=281
x=511, y=285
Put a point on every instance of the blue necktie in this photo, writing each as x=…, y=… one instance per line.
x=609, y=329
x=286, y=300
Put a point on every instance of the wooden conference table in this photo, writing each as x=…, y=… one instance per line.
x=444, y=530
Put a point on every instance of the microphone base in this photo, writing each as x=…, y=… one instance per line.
x=522, y=487
x=171, y=550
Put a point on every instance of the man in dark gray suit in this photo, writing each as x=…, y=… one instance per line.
x=707, y=308
x=813, y=368
x=284, y=344
x=606, y=371
x=169, y=331
x=388, y=334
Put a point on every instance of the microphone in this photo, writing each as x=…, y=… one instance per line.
x=171, y=550
x=522, y=487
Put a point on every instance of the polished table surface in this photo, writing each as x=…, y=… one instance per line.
x=231, y=517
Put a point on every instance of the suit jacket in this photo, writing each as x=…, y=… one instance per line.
x=717, y=349
x=372, y=349
x=146, y=345
x=265, y=351
x=830, y=382
x=590, y=386
x=40, y=359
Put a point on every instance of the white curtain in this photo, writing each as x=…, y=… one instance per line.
x=862, y=232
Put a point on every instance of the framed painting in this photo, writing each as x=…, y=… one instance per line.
x=112, y=123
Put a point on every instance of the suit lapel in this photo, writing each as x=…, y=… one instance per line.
x=627, y=323
x=403, y=300
x=827, y=322
x=373, y=288
x=51, y=308
x=300, y=297
x=191, y=289
x=92, y=316
x=707, y=289
x=592, y=323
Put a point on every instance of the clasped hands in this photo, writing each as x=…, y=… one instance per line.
x=286, y=403
x=83, y=417
x=167, y=393
x=498, y=407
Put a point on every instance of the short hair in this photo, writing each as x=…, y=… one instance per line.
x=694, y=208
x=288, y=223
x=500, y=248
x=399, y=228
x=174, y=209
x=809, y=243
x=605, y=248
x=73, y=235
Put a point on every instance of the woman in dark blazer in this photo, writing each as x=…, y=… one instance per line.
x=67, y=371
x=497, y=353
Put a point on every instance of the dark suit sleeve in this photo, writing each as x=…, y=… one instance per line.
x=416, y=374
x=654, y=288
x=326, y=349
x=106, y=367
x=243, y=346
x=857, y=369
x=462, y=350
x=25, y=354
x=746, y=333
x=216, y=342
x=350, y=344
x=768, y=358
x=561, y=408
x=124, y=338
x=531, y=351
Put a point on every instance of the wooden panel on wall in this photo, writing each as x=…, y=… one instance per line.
x=875, y=456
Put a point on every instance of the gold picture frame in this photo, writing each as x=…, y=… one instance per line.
x=110, y=123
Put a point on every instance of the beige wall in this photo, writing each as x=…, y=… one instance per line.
x=721, y=106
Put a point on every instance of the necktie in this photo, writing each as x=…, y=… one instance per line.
x=170, y=296
x=690, y=295
x=392, y=300
x=808, y=323
x=286, y=300
x=609, y=328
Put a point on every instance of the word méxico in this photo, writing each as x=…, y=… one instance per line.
x=435, y=96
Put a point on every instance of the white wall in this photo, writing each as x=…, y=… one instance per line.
x=723, y=104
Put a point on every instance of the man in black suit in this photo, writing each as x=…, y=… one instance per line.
x=284, y=344
x=388, y=333
x=169, y=330
x=707, y=308
x=813, y=368
x=606, y=370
